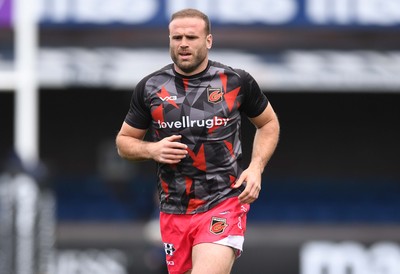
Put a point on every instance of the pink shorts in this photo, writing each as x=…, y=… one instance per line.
x=224, y=224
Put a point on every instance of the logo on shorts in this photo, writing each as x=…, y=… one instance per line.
x=215, y=95
x=218, y=225
x=169, y=249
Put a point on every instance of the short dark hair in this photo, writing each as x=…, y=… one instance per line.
x=193, y=13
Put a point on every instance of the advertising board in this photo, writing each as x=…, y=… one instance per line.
x=267, y=13
x=269, y=248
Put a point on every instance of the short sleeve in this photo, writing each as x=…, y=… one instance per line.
x=138, y=115
x=255, y=101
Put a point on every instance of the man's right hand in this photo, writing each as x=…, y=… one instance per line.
x=168, y=150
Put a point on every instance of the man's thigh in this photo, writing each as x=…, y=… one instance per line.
x=212, y=258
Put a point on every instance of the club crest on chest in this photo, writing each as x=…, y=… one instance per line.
x=215, y=95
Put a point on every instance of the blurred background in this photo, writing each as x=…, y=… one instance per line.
x=330, y=200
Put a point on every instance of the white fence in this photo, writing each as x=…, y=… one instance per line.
x=27, y=225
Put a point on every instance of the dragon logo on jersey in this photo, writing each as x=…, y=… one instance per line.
x=218, y=225
x=215, y=95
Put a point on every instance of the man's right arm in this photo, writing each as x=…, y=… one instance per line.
x=131, y=146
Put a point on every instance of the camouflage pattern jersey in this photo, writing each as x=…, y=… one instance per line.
x=205, y=109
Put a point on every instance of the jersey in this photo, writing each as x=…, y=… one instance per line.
x=205, y=109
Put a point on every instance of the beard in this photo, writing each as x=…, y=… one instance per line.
x=188, y=66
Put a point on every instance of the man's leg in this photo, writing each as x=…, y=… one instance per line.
x=209, y=258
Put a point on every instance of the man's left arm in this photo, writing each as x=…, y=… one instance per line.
x=265, y=141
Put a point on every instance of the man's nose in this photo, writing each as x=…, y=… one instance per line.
x=184, y=43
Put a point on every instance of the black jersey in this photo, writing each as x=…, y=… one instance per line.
x=205, y=109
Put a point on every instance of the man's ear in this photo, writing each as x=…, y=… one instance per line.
x=209, y=41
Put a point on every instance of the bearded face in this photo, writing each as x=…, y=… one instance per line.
x=189, y=45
